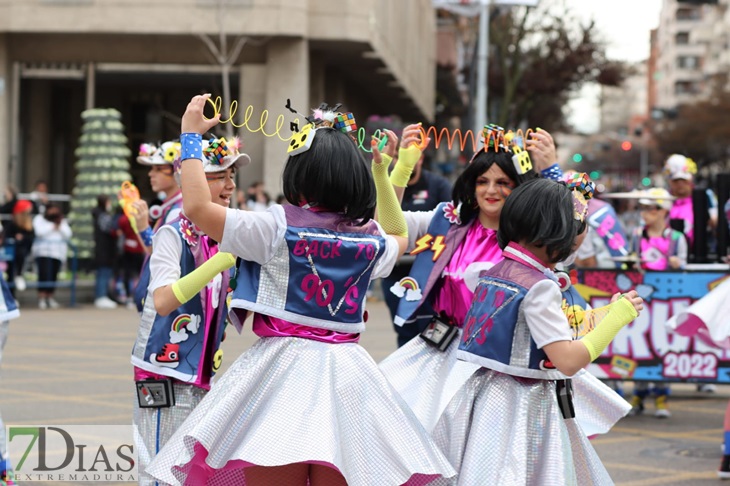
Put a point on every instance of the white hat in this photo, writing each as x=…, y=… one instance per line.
x=218, y=156
x=166, y=153
x=658, y=197
x=678, y=166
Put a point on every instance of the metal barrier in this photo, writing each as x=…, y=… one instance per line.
x=7, y=254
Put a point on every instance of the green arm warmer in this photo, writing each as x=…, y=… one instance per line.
x=188, y=286
x=390, y=215
x=622, y=312
x=407, y=159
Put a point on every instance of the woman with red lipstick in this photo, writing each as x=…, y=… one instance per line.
x=455, y=240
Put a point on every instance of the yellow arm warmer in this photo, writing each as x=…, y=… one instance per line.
x=622, y=312
x=188, y=286
x=407, y=159
x=390, y=215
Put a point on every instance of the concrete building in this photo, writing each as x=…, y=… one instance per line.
x=59, y=57
x=685, y=43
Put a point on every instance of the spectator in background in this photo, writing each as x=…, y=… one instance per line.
x=258, y=198
x=20, y=230
x=9, y=200
x=50, y=248
x=39, y=196
x=133, y=256
x=105, y=236
x=425, y=190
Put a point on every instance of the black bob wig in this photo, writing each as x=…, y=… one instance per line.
x=334, y=174
x=465, y=186
x=541, y=213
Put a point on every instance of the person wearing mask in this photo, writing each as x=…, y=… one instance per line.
x=105, y=254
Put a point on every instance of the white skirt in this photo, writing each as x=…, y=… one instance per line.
x=501, y=429
x=427, y=379
x=295, y=400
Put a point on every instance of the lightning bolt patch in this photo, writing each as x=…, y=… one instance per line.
x=438, y=247
x=426, y=242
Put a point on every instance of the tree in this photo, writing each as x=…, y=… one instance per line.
x=102, y=166
x=698, y=130
x=539, y=56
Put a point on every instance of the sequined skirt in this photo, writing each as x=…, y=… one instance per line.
x=501, y=429
x=293, y=400
x=153, y=427
x=427, y=379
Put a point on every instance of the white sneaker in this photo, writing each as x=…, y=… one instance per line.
x=105, y=303
x=19, y=282
x=706, y=388
x=42, y=304
x=53, y=304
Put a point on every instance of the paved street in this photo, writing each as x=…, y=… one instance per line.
x=71, y=366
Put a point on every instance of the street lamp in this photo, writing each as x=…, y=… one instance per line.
x=472, y=8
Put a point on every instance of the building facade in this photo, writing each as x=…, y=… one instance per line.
x=147, y=59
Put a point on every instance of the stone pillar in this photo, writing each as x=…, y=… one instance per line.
x=5, y=103
x=287, y=76
x=252, y=89
x=35, y=163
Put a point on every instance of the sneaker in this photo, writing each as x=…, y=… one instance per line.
x=706, y=388
x=20, y=284
x=169, y=356
x=105, y=303
x=637, y=405
x=53, y=304
x=42, y=304
x=661, y=407
x=724, y=471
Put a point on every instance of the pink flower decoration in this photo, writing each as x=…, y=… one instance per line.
x=452, y=213
x=190, y=232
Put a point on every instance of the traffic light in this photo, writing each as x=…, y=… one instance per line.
x=577, y=158
x=595, y=174
x=625, y=145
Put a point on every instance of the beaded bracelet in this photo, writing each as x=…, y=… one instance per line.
x=191, y=146
x=146, y=235
x=554, y=172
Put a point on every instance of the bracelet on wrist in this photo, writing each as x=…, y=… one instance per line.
x=191, y=146
x=146, y=236
x=554, y=172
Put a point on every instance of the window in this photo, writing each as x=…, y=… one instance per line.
x=688, y=14
x=688, y=62
x=682, y=38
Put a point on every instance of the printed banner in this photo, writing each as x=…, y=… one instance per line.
x=646, y=350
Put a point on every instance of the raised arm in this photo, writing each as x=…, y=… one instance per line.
x=197, y=204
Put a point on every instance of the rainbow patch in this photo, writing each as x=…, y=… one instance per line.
x=180, y=322
x=408, y=283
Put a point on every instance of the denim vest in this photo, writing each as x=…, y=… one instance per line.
x=140, y=291
x=496, y=335
x=8, y=304
x=415, y=303
x=318, y=276
x=181, y=344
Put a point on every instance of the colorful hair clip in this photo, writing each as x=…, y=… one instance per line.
x=345, y=122
x=582, y=190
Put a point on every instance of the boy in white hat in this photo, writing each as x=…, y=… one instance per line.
x=659, y=247
x=184, y=315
